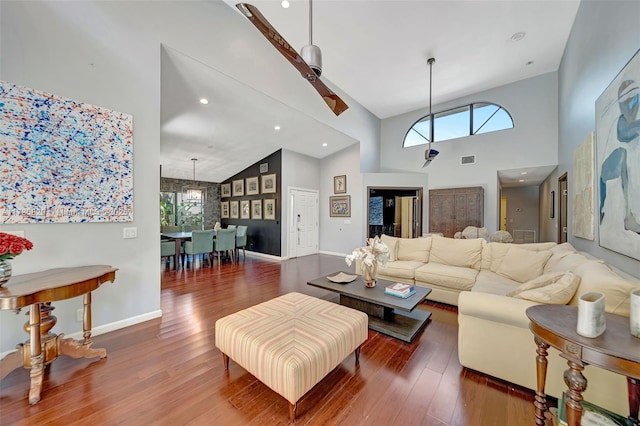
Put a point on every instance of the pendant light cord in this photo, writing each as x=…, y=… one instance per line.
x=310, y=22
x=430, y=61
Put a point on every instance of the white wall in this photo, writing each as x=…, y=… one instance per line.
x=604, y=37
x=298, y=171
x=108, y=54
x=522, y=209
x=548, y=224
x=532, y=142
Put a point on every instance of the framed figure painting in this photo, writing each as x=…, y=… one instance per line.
x=256, y=209
x=244, y=209
x=238, y=188
x=225, y=190
x=269, y=184
x=340, y=206
x=224, y=210
x=234, y=207
x=618, y=161
x=270, y=209
x=252, y=186
x=340, y=184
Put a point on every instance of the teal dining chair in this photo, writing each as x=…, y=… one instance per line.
x=225, y=242
x=241, y=240
x=167, y=251
x=201, y=243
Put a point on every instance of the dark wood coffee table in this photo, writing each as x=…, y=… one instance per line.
x=390, y=315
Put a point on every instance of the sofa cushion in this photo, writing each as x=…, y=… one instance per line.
x=492, y=283
x=453, y=252
x=392, y=244
x=558, y=292
x=414, y=249
x=537, y=282
x=493, y=253
x=400, y=269
x=557, y=253
x=569, y=262
x=597, y=276
x=454, y=277
x=522, y=264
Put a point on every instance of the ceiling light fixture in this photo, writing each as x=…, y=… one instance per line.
x=285, y=4
x=325, y=144
x=204, y=101
x=194, y=193
x=276, y=127
x=430, y=154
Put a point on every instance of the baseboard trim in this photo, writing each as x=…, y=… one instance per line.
x=264, y=256
x=102, y=329
x=332, y=253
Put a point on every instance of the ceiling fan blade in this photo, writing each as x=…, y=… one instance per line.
x=336, y=104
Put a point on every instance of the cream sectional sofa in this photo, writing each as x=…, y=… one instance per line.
x=489, y=282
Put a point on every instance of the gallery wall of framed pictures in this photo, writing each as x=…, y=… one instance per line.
x=245, y=208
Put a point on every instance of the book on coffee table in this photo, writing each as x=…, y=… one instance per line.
x=399, y=290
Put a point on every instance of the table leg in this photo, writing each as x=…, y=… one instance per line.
x=540, y=401
x=37, y=358
x=81, y=349
x=577, y=383
x=633, y=388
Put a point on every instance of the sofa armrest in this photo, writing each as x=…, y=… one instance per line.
x=496, y=308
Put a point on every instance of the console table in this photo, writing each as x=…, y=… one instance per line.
x=37, y=290
x=615, y=350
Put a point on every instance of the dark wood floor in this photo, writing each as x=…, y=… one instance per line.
x=168, y=370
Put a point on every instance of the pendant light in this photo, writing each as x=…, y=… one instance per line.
x=429, y=153
x=194, y=193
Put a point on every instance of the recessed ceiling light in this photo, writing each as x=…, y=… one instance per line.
x=325, y=144
x=521, y=180
x=204, y=101
x=518, y=36
x=276, y=127
x=284, y=4
x=523, y=173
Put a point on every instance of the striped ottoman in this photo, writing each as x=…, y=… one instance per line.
x=291, y=342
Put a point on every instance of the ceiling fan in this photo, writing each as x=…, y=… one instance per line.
x=308, y=62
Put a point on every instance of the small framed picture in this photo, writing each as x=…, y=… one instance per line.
x=252, y=186
x=224, y=210
x=340, y=206
x=256, y=209
x=270, y=209
x=244, y=209
x=340, y=184
x=269, y=184
x=234, y=207
x=225, y=190
x=238, y=188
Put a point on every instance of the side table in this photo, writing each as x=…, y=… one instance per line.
x=615, y=350
x=37, y=291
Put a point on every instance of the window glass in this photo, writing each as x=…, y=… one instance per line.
x=419, y=133
x=456, y=123
x=451, y=124
x=490, y=118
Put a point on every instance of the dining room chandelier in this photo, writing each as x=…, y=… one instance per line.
x=194, y=193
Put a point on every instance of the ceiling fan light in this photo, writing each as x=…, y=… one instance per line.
x=313, y=57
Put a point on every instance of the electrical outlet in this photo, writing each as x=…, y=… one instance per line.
x=129, y=232
x=80, y=315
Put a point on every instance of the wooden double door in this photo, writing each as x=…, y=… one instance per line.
x=453, y=209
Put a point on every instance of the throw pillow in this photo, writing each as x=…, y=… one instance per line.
x=416, y=249
x=392, y=244
x=523, y=265
x=452, y=252
x=541, y=281
x=556, y=293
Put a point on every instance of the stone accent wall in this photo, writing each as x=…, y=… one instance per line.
x=212, y=200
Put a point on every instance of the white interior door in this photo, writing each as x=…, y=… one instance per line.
x=304, y=222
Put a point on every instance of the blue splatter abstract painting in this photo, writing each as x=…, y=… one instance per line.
x=62, y=160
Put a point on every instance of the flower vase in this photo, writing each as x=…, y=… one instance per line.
x=5, y=271
x=369, y=274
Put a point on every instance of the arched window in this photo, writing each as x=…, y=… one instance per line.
x=468, y=120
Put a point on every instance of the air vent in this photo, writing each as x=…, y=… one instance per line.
x=468, y=159
x=264, y=167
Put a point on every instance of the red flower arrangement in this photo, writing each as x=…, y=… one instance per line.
x=12, y=245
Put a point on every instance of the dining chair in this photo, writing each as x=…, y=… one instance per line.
x=231, y=227
x=241, y=240
x=225, y=242
x=201, y=243
x=168, y=250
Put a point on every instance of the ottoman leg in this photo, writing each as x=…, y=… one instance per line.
x=292, y=410
x=357, y=352
x=225, y=359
